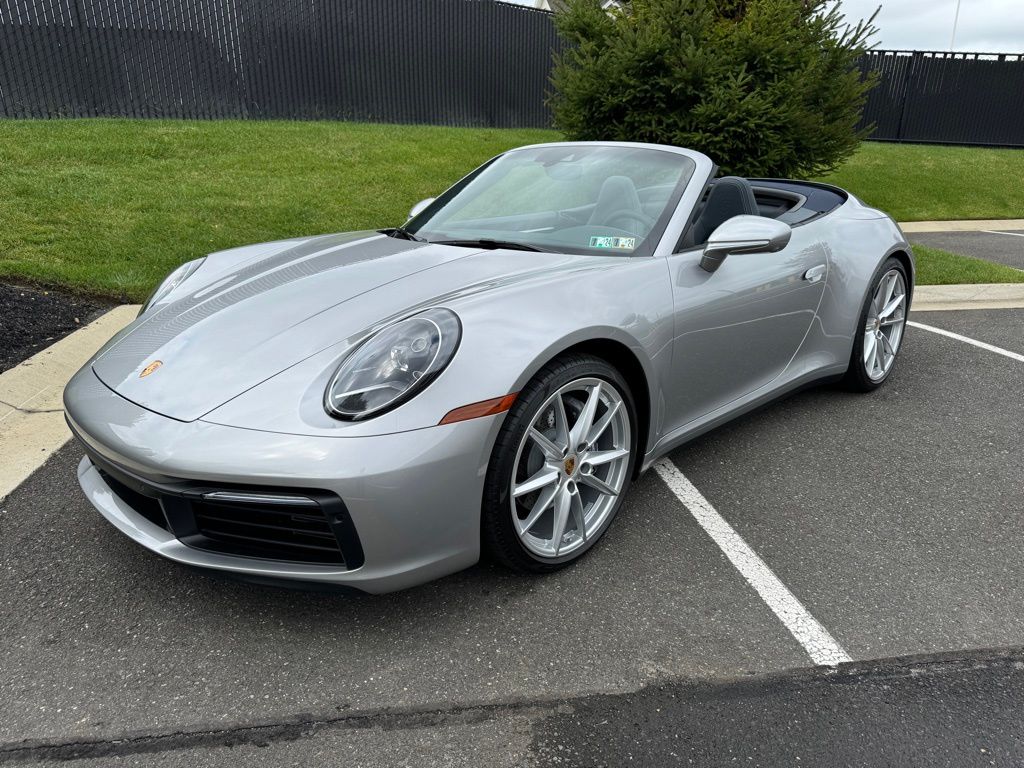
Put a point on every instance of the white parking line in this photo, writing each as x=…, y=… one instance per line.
x=966, y=340
x=816, y=640
x=1011, y=234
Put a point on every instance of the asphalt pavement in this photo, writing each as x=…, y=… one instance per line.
x=104, y=638
x=893, y=517
x=1004, y=247
x=954, y=710
x=1003, y=328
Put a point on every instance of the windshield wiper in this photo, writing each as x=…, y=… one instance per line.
x=402, y=233
x=491, y=244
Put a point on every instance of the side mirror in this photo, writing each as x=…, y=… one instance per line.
x=744, y=234
x=417, y=209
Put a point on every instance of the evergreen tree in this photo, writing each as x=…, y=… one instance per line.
x=763, y=87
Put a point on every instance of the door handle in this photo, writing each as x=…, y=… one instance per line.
x=814, y=274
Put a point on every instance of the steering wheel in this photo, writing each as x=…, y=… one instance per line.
x=629, y=213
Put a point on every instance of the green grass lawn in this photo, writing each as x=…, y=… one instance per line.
x=938, y=267
x=109, y=206
x=917, y=182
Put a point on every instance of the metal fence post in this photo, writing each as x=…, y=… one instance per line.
x=908, y=73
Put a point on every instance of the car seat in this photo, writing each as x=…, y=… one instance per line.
x=617, y=194
x=729, y=196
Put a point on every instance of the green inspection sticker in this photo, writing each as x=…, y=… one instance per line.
x=622, y=243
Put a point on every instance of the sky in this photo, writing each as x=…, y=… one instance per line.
x=984, y=26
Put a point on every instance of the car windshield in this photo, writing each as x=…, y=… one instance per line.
x=567, y=198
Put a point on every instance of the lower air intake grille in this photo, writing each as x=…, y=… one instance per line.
x=267, y=530
x=298, y=525
x=147, y=506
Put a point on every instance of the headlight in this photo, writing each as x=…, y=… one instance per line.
x=393, y=365
x=172, y=281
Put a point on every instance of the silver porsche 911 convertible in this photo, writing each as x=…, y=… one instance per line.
x=376, y=409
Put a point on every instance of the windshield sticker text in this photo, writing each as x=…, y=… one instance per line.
x=622, y=243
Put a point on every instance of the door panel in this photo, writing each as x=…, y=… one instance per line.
x=736, y=329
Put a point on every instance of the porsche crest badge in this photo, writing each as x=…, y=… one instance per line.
x=150, y=368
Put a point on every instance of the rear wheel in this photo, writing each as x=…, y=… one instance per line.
x=561, y=465
x=880, y=331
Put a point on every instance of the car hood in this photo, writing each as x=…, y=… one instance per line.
x=239, y=321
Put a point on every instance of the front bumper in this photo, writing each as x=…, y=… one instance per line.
x=413, y=498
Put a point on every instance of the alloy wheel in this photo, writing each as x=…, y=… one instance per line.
x=570, y=468
x=883, y=331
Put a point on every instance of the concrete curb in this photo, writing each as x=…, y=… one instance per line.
x=929, y=298
x=31, y=411
x=978, y=225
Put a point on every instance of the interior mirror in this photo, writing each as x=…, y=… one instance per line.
x=744, y=234
x=420, y=206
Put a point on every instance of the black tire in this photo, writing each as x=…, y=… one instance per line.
x=499, y=536
x=856, y=378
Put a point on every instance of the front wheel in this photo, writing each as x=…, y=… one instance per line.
x=880, y=331
x=561, y=465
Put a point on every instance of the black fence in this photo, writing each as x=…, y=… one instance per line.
x=451, y=62
x=454, y=62
x=946, y=98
